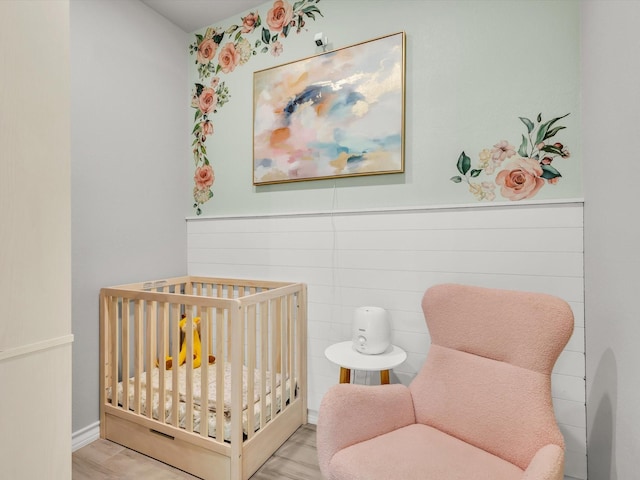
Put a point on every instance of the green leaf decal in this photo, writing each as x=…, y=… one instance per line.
x=218, y=38
x=264, y=50
x=297, y=5
x=231, y=29
x=552, y=132
x=197, y=115
x=464, y=163
x=456, y=179
x=544, y=128
x=266, y=36
x=238, y=35
x=522, y=151
x=549, y=172
x=539, y=117
x=528, y=123
x=312, y=9
x=475, y=172
x=552, y=149
x=285, y=30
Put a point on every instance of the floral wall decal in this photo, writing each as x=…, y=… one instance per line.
x=522, y=173
x=219, y=52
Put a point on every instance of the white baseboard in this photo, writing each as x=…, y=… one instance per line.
x=312, y=416
x=85, y=436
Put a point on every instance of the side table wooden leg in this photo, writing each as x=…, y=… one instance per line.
x=345, y=375
x=384, y=377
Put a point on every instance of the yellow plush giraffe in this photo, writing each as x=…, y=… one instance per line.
x=197, y=345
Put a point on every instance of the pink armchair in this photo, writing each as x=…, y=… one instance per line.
x=479, y=409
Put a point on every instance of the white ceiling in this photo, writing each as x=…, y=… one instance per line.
x=192, y=15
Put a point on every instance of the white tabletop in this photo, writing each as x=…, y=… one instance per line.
x=346, y=356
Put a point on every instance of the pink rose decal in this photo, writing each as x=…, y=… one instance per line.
x=204, y=177
x=249, y=22
x=520, y=179
x=228, y=58
x=207, y=100
x=206, y=51
x=280, y=15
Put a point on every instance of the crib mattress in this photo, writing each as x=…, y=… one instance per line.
x=212, y=415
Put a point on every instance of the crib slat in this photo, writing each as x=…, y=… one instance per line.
x=229, y=293
x=175, y=372
x=162, y=353
x=275, y=354
x=137, y=373
x=125, y=353
x=264, y=361
x=284, y=363
x=204, y=373
x=278, y=333
x=189, y=372
x=220, y=362
x=291, y=369
x=113, y=334
x=150, y=357
x=301, y=348
x=237, y=321
x=251, y=367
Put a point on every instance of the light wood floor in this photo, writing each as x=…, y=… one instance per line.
x=102, y=460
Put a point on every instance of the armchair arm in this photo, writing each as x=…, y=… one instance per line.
x=350, y=414
x=546, y=464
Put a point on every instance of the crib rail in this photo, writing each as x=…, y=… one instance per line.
x=156, y=341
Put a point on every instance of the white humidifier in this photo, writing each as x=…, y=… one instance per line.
x=371, y=332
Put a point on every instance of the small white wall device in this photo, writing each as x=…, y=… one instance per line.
x=320, y=40
x=371, y=331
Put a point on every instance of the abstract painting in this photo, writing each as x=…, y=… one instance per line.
x=336, y=114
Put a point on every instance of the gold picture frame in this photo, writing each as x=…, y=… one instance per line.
x=336, y=114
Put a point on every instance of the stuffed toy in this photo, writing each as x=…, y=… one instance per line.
x=197, y=345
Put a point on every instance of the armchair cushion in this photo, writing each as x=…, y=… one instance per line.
x=501, y=408
x=419, y=452
x=350, y=414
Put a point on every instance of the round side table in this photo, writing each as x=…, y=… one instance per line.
x=348, y=358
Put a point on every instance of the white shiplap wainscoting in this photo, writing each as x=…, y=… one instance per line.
x=389, y=258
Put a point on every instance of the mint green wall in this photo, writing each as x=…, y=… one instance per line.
x=472, y=68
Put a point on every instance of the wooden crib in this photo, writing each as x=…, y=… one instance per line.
x=213, y=428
